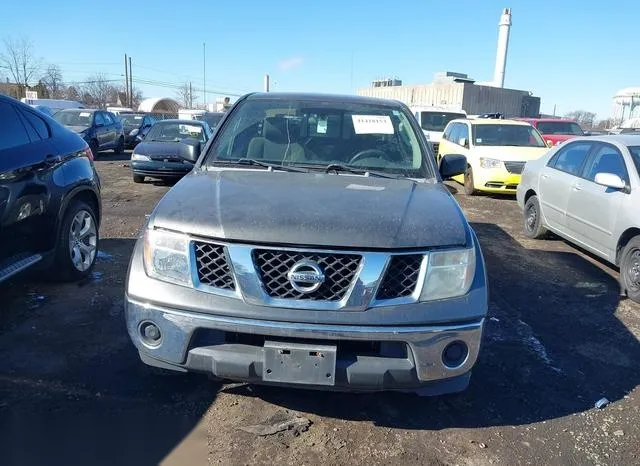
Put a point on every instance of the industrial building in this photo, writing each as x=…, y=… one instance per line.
x=458, y=91
x=626, y=106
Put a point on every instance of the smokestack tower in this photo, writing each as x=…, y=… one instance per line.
x=504, y=27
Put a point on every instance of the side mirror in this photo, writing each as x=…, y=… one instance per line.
x=587, y=133
x=549, y=143
x=190, y=149
x=463, y=142
x=452, y=165
x=610, y=180
x=134, y=132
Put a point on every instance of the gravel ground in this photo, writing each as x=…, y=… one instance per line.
x=559, y=338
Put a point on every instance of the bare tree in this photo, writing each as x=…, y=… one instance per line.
x=72, y=93
x=19, y=61
x=186, y=96
x=97, y=91
x=52, y=80
x=583, y=118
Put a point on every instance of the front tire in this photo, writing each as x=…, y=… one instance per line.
x=77, y=246
x=138, y=179
x=469, y=188
x=532, y=225
x=630, y=269
x=120, y=147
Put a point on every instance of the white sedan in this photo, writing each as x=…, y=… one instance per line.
x=588, y=191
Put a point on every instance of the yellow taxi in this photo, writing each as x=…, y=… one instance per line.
x=496, y=151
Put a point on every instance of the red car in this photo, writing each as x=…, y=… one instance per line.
x=555, y=130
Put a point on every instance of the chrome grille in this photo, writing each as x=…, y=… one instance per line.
x=212, y=265
x=274, y=265
x=401, y=277
x=514, y=167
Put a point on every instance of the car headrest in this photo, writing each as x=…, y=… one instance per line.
x=280, y=129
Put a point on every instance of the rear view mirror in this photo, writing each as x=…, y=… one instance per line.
x=610, y=180
x=463, y=142
x=190, y=149
x=452, y=165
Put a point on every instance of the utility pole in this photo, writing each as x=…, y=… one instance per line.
x=204, y=74
x=130, y=84
x=190, y=96
x=266, y=83
x=126, y=80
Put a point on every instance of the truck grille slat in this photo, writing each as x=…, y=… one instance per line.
x=273, y=267
x=514, y=167
x=401, y=277
x=212, y=265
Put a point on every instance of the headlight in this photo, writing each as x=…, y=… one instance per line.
x=449, y=274
x=140, y=157
x=166, y=256
x=490, y=163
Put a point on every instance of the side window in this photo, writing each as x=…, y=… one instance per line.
x=37, y=124
x=107, y=119
x=447, y=133
x=98, y=119
x=571, y=158
x=606, y=159
x=464, y=132
x=12, y=131
x=455, y=133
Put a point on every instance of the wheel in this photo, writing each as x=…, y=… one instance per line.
x=93, y=145
x=138, y=179
x=469, y=189
x=120, y=146
x=630, y=269
x=77, y=244
x=532, y=225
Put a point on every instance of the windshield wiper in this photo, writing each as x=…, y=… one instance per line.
x=257, y=163
x=336, y=167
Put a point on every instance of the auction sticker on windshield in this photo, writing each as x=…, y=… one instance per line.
x=372, y=124
x=85, y=114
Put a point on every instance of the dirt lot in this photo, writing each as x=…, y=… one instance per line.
x=559, y=338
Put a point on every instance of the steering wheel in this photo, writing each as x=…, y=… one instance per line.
x=368, y=154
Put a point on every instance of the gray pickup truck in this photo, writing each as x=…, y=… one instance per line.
x=314, y=244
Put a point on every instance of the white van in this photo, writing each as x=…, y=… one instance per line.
x=433, y=120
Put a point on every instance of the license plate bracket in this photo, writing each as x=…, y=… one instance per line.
x=299, y=363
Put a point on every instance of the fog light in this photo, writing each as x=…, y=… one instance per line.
x=455, y=354
x=150, y=333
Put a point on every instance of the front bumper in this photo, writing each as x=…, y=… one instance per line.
x=159, y=168
x=200, y=342
x=494, y=180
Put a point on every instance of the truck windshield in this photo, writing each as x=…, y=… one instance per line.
x=560, y=127
x=173, y=131
x=131, y=119
x=506, y=135
x=436, y=121
x=316, y=134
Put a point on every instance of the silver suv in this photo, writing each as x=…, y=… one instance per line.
x=313, y=244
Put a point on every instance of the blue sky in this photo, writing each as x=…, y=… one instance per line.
x=571, y=54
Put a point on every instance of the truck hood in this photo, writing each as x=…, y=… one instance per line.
x=312, y=209
x=510, y=153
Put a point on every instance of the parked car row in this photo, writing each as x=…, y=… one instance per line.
x=297, y=215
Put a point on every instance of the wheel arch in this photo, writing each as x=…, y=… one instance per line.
x=624, y=239
x=528, y=195
x=80, y=193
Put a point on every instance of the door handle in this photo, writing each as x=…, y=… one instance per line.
x=544, y=176
x=577, y=187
